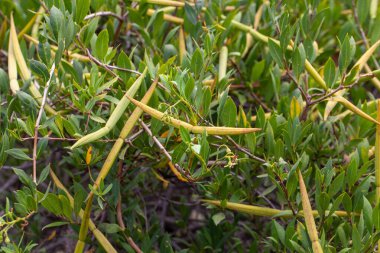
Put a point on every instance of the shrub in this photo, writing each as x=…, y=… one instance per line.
x=199, y=126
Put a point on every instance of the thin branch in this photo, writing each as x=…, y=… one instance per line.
x=109, y=69
x=361, y=30
x=164, y=151
x=103, y=13
x=38, y=123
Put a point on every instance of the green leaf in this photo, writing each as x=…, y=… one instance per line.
x=59, y=53
x=363, y=7
x=56, y=224
x=102, y=44
x=66, y=207
x=207, y=97
x=39, y=69
x=197, y=62
x=110, y=228
x=190, y=14
x=229, y=114
x=82, y=8
x=336, y=184
x=79, y=197
x=185, y=135
x=276, y=52
x=330, y=73
x=217, y=218
x=123, y=61
x=367, y=213
x=269, y=139
x=298, y=60
x=44, y=174
x=205, y=148
x=41, y=146
x=44, y=51
x=257, y=70
x=18, y=154
x=56, y=21
x=24, y=178
x=179, y=151
x=52, y=204
x=346, y=53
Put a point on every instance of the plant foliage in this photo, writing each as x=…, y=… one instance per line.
x=189, y=126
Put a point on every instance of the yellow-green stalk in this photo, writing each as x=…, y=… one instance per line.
x=344, y=114
x=265, y=211
x=36, y=25
x=12, y=68
x=123, y=134
x=182, y=44
x=249, y=38
x=84, y=226
x=194, y=129
x=167, y=17
x=166, y=2
x=223, y=62
x=115, y=116
x=308, y=214
x=24, y=71
x=350, y=106
x=107, y=246
x=377, y=162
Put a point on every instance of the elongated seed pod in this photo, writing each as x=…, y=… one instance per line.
x=24, y=71
x=102, y=239
x=194, y=129
x=365, y=57
x=182, y=44
x=353, y=108
x=223, y=57
x=309, y=218
x=12, y=68
x=265, y=211
x=115, y=116
x=167, y=17
x=128, y=126
x=84, y=226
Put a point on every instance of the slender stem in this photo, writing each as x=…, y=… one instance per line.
x=164, y=151
x=38, y=123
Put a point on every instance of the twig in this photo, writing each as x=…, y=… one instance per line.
x=240, y=148
x=162, y=148
x=69, y=139
x=109, y=69
x=38, y=123
x=361, y=30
